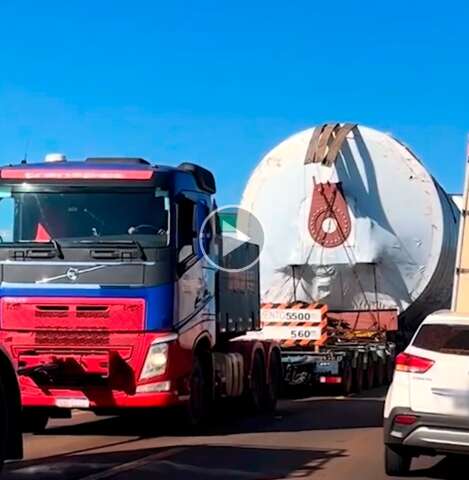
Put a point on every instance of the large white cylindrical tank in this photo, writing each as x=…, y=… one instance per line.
x=391, y=242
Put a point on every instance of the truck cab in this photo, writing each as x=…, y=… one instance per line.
x=108, y=299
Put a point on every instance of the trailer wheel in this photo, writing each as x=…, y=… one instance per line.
x=256, y=391
x=275, y=381
x=358, y=377
x=370, y=375
x=34, y=421
x=347, y=379
x=389, y=370
x=198, y=407
x=380, y=373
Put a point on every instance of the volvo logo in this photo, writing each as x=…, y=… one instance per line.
x=72, y=274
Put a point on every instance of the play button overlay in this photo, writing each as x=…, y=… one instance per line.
x=239, y=241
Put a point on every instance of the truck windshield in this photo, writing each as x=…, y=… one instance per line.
x=86, y=215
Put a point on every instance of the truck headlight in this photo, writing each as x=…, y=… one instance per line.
x=155, y=363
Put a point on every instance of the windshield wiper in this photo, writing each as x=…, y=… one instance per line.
x=57, y=247
x=118, y=243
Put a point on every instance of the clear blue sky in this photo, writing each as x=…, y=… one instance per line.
x=221, y=82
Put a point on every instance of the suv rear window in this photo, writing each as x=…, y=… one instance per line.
x=444, y=338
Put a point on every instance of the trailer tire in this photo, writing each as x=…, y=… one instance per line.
x=275, y=381
x=358, y=377
x=389, y=370
x=370, y=375
x=380, y=373
x=347, y=379
x=257, y=386
x=198, y=407
x=34, y=421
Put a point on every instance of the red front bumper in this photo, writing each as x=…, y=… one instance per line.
x=89, y=353
x=122, y=388
x=102, y=398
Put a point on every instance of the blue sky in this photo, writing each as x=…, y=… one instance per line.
x=221, y=82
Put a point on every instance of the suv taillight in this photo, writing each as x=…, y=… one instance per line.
x=412, y=364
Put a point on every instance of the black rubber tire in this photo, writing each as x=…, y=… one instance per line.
x=389, y=370
x=4, y=427
x=380, y=377
x=396, y=463
x=346, y=386
x=255, y=397
x=34, y=421
x=200, y=398
x=358, y=378
x=370, y=375
x=275, y=382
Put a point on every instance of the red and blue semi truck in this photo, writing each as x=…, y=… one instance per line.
x=110, y=295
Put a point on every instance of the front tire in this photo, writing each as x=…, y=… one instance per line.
x=4, y=424
x=396, y=463
x=200, y=398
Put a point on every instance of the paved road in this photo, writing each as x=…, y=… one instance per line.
x=311, y=438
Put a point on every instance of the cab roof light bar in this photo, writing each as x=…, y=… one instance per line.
x=73, y=174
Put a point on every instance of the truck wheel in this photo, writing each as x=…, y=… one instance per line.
x=256, y=391
x=396, y=463
x=275, y=381
x=199, y=404
x=4, y=416
x=347, y=379
x=34, y=421
x=358, y=378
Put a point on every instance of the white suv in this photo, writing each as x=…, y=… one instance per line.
x=427, y=405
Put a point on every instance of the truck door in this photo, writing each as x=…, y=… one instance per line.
x=195, y=278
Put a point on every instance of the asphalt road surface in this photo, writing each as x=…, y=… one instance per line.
x=320, y=438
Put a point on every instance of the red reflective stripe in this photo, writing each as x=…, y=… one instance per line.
x=73, y=174
x=330, y=380
x=405, y=419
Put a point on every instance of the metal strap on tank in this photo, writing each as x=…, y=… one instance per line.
x=326, y=143
x=313, y=145
x=325, y=139
x=336, y=146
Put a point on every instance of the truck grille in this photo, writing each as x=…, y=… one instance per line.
x=72, y=338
